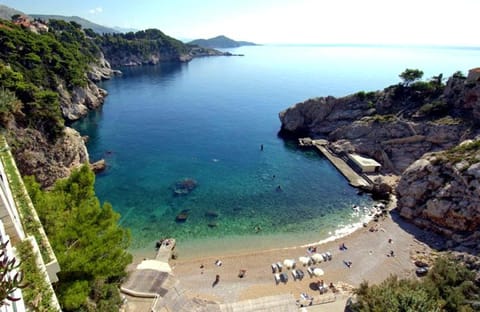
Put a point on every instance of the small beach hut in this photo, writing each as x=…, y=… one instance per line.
x=289, y=263
x=318, y=272
x=317, y=257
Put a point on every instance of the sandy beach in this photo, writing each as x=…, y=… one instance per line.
x=369, y=252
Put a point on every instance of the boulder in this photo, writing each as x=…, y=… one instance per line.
x=98, y=166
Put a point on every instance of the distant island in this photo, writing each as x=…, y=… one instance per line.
x=220, y=42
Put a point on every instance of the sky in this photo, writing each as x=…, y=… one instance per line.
x=404, y=22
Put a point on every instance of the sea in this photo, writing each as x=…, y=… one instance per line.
x=193, y=150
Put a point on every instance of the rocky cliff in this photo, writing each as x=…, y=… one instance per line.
x=441, y=191
x=77, y=102
x=36, y=156
x=414, y=131
x=395, y=126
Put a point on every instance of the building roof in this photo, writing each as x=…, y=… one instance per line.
x=363, y=161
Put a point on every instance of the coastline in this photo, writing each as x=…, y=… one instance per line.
x=238, y=245
x=368, y=250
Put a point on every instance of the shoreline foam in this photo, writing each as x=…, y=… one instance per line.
x=241, y=244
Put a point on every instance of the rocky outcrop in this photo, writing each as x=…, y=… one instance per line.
x=124, y=57
x=35, y=155
x=101, y=70
x=464, y=93
x=391, y=126
x=75, y=103
x=414, y=132
x=441, y=191
x=98, y=166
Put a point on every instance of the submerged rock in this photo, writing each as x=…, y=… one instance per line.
x=211, y=214
x=184, y=186
x=181, y=217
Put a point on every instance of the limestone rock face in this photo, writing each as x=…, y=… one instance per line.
x=440, y=180
x=322, y=115
x=464, y=94
x=36, y=156
x=393, y=141
x=77, y=102
x=441, y=191
x=101, y=70
x=120, y=57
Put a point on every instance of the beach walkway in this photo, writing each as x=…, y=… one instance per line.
x=351, y=175
x=281, y=303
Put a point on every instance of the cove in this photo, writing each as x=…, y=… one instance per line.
x=207, y=119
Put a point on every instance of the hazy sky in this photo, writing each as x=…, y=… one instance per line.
x=440, y=22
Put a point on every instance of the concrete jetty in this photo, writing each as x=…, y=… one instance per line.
x=165, y=250
x=351, y=175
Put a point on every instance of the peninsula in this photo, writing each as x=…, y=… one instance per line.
x=220, y=42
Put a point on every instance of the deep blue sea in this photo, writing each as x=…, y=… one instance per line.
x=206, y=120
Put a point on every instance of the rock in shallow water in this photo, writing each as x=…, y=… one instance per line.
x=184, y=186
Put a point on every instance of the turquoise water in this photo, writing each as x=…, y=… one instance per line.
x=207, y=119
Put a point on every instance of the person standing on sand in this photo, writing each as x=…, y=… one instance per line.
x=217, y=280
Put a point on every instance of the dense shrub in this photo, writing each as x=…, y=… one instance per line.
x=449, y=286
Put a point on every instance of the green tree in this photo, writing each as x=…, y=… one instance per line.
x=9, y=105
x=410, y=75
x=89, y=244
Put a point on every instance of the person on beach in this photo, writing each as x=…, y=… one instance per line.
x=216, y=281
x=242, y=273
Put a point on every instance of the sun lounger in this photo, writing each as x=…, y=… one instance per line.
x=310, y=271
x=274, y=268
x=277, y=278
x=294, y=275
x=297, y=274
x=300, y=274
x=279, y=267
x=329, y=255
x=324, y=256
x=284, y=277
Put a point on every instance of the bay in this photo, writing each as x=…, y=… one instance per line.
x=207, y=119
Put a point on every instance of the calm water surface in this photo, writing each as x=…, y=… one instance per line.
x=207, y=119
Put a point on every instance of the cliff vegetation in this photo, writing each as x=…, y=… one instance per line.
x=89, y=244
x=449, y=286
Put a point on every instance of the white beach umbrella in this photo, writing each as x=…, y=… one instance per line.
x=289, y=263
x=318, y=272
x=304, y=260
x=317, y=257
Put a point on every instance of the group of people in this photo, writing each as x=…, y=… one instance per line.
x=311, y=249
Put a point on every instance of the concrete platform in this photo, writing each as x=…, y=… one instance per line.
x=351, y=175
